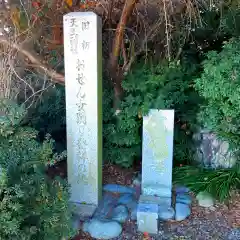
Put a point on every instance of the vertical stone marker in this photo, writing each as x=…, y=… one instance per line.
x=83, y=80
x=157, y=153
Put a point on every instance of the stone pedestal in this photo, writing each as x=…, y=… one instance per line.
x=83, y=82
x=147, y=217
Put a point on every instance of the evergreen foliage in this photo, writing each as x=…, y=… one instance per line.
x=49, y=115
x=219, y=84
x=32, y=206
x=160, y=86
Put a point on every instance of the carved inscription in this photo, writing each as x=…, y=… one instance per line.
x=81, y=166
x=74, y=37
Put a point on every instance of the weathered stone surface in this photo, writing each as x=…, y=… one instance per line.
x=115, y=188
x=120, y=214
x=126, y=199
x=83, y=85
x=181, y=189
x=102, y=229
x=147, y=218
x=212, y=152
x=183, y=198
x=182, y=211
x=166, y=201
x=84, y=211
x=105, y=206
x=205, y=199
x=166, y=213
x=157, y=153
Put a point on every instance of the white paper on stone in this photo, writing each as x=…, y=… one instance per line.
x=83, y=83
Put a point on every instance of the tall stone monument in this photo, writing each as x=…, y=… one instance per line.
x=157, y=153
x=83, y=80
x=157, y=159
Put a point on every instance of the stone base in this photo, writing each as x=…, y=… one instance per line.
x=157, y=190
x=147, y=218
x=148, y=213
x=84, y=211
x=166, y=201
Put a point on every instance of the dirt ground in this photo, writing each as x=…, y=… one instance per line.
x=219, y=222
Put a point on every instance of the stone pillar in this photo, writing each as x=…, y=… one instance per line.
x=83, y=80
x=157, y=153
x=157, y=159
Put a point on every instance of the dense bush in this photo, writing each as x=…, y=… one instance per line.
x=219, y=84
x=48, y=115
x=32, y=206
x=161, y=86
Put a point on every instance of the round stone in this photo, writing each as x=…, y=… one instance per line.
x=105, y=206
x=183, y=198
x=120, y=214
x=126, y=199
x=181, y=189
x=102, y=229
x=182, y=211
x=205, y=199
x=166, y=213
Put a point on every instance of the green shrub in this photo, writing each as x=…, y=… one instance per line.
x=48, y=115
x=162, y=86
x=32, y=206
x=219, y=85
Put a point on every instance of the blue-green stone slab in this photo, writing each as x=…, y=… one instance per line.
x=157, y=153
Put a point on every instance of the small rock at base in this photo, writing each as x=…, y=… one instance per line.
x=126, y=199
x=165, y=213
x=120, y=214
x=183, y=198
x=102, y=229
x=118, y=188
x=205, y=199
x=182, y=211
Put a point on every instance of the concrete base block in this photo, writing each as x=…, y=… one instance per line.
x=147, y=218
